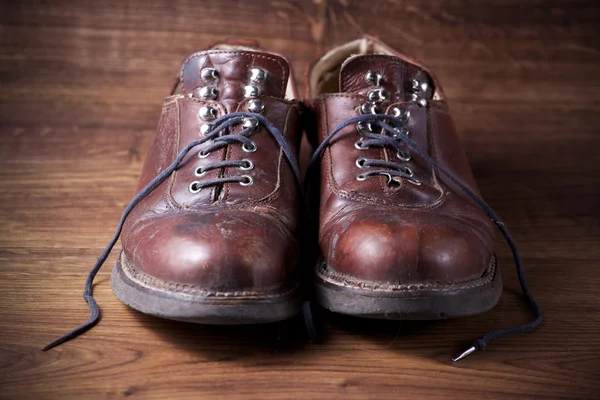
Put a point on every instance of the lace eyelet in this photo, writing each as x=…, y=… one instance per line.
x=203, y=154
x=205, y=129
x=361, y=177
x=249, y=148
x=209, y=74
x=390, y=179
x=209, y=93
x=403, y=157
x=401, y=113
x=249, y=165
x=251, y=91
x=417, y=97
x=360, y=162
x=359, y=145
x=364, y=128
x=373, y=78
x=420, y=86
x=258, y=74
x=199, y=172
x=248, y=180
x=414, y=182
x=250, y=123
x=208, y=113
x=195, y=187
x=256, y=106
x=400, y=131
x=409, y=172
x=377, y=95
x=369, y=108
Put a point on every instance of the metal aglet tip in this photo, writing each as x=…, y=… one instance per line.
x=465, y=353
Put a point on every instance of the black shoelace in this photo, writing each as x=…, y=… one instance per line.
x=221, y=124
x=390, y=126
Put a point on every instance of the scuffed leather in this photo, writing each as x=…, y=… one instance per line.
x=228, y=237
x=406, y=234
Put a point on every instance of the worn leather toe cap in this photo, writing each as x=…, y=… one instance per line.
x=405, y=248
x=232, y=251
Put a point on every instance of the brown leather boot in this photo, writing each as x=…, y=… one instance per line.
x=211, y=237
x=216, y=242
x=403, y=231
x=398, y=239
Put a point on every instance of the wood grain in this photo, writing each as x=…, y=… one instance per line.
x=81, y=84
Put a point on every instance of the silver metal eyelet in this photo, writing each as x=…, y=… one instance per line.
x=258, y=74
x=249, y=148
x=256, y=106
x=377, y=95
x=208, y=113
x=403, y=157
x=199, y=172
x=203, y=154
x=369, y=108
x=251, y=91
x=414, y=182
x=250, y=123
x=249, y=165
x=409, y=172
x=373, y=78
x=420, y=86
x=248, y=180
x=401, y=113
x=195, y=187
x=360, y=162
x=361, y=177
x=205, y=129
x=208, y=93
x=360, y=145
x=400, y=132
x=209, y=74
x=421, y=101
x=364, y=127
x=389, y=177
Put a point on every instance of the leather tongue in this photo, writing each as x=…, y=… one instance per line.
x=396, y=76
x=233, y=73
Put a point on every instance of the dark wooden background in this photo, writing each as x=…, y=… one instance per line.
x=81, y=85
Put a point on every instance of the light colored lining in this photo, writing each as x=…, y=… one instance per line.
x=325, y=73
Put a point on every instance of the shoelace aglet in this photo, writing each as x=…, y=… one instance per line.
x=465, y=353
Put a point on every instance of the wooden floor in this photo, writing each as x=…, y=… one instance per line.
x=81, y=85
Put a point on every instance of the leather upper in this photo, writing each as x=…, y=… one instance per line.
x=403, y=233
x=226, y=237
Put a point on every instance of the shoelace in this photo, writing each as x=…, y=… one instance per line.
x=221, y=124
x=390, y=168
x=390, y=125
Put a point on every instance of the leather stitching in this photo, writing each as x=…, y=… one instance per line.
x=341, y=279
x=144, y=279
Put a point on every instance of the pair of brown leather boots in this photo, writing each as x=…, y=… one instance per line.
x=214, y=236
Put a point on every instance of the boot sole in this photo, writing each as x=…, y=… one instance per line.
x=191, y=304
x=429, y=301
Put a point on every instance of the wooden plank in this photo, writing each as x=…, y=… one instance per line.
x=81, y=85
